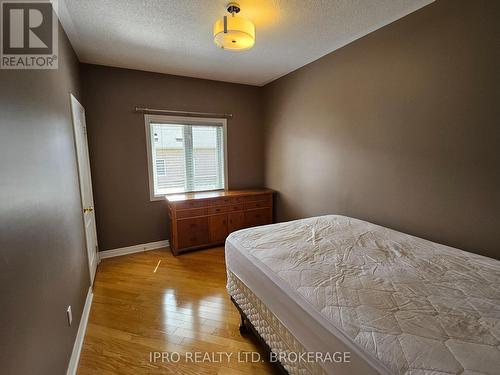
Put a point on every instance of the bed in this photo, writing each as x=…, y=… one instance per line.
x=397, y=304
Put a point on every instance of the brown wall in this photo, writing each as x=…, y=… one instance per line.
x=43, y=263
x=400, y=128
x=117, y=142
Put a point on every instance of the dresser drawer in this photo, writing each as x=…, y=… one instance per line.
x=191, y=204
x=235, y=221
x=193, y=212
x=260, y=216
x=222, y=201
x=259, y=197
x=192, y=232
x=218, y=210
x=218, y=228
x=258, y=204
x=222, y=209
x=239, y=199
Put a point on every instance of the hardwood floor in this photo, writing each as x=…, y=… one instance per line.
x=155, y=302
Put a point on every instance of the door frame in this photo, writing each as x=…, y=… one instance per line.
x=92, y=264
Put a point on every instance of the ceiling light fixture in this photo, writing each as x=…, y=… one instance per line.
x=233, y=32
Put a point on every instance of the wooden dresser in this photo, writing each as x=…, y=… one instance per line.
x=205, y=219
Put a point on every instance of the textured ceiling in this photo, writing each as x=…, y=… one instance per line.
x=175, y=36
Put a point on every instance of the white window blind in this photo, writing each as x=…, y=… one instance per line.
x=161, y=167
x=185, y=157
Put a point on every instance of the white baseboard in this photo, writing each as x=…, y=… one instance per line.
x=133, y=249
x=77, y=347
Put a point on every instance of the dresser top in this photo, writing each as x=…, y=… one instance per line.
x=214, y=194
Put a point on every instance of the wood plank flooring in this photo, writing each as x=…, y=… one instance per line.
x=155, y=302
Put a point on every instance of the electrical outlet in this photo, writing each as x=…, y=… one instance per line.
x=70, y=315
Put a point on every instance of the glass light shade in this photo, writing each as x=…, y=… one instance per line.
x=240, y=33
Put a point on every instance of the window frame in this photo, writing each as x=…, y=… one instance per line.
x=181, y=120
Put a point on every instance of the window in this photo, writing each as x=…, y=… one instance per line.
x=185, y=154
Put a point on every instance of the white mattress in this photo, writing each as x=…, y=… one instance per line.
x=398, y=303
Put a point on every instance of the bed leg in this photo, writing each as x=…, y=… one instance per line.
x=244, y=327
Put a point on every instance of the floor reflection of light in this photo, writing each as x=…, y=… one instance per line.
x=188, y=317
x=178, y=317
x=169, y=297
x=214, y=305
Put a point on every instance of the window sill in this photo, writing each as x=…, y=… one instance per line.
x=164, y=196
x=157, y=198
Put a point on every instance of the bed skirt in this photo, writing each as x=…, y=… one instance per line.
x=270, y=329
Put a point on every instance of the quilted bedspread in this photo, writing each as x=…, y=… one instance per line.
x=416, y=306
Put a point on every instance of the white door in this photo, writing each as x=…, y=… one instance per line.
x=82, y=153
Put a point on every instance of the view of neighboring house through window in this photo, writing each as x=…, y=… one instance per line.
x=185, y=156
